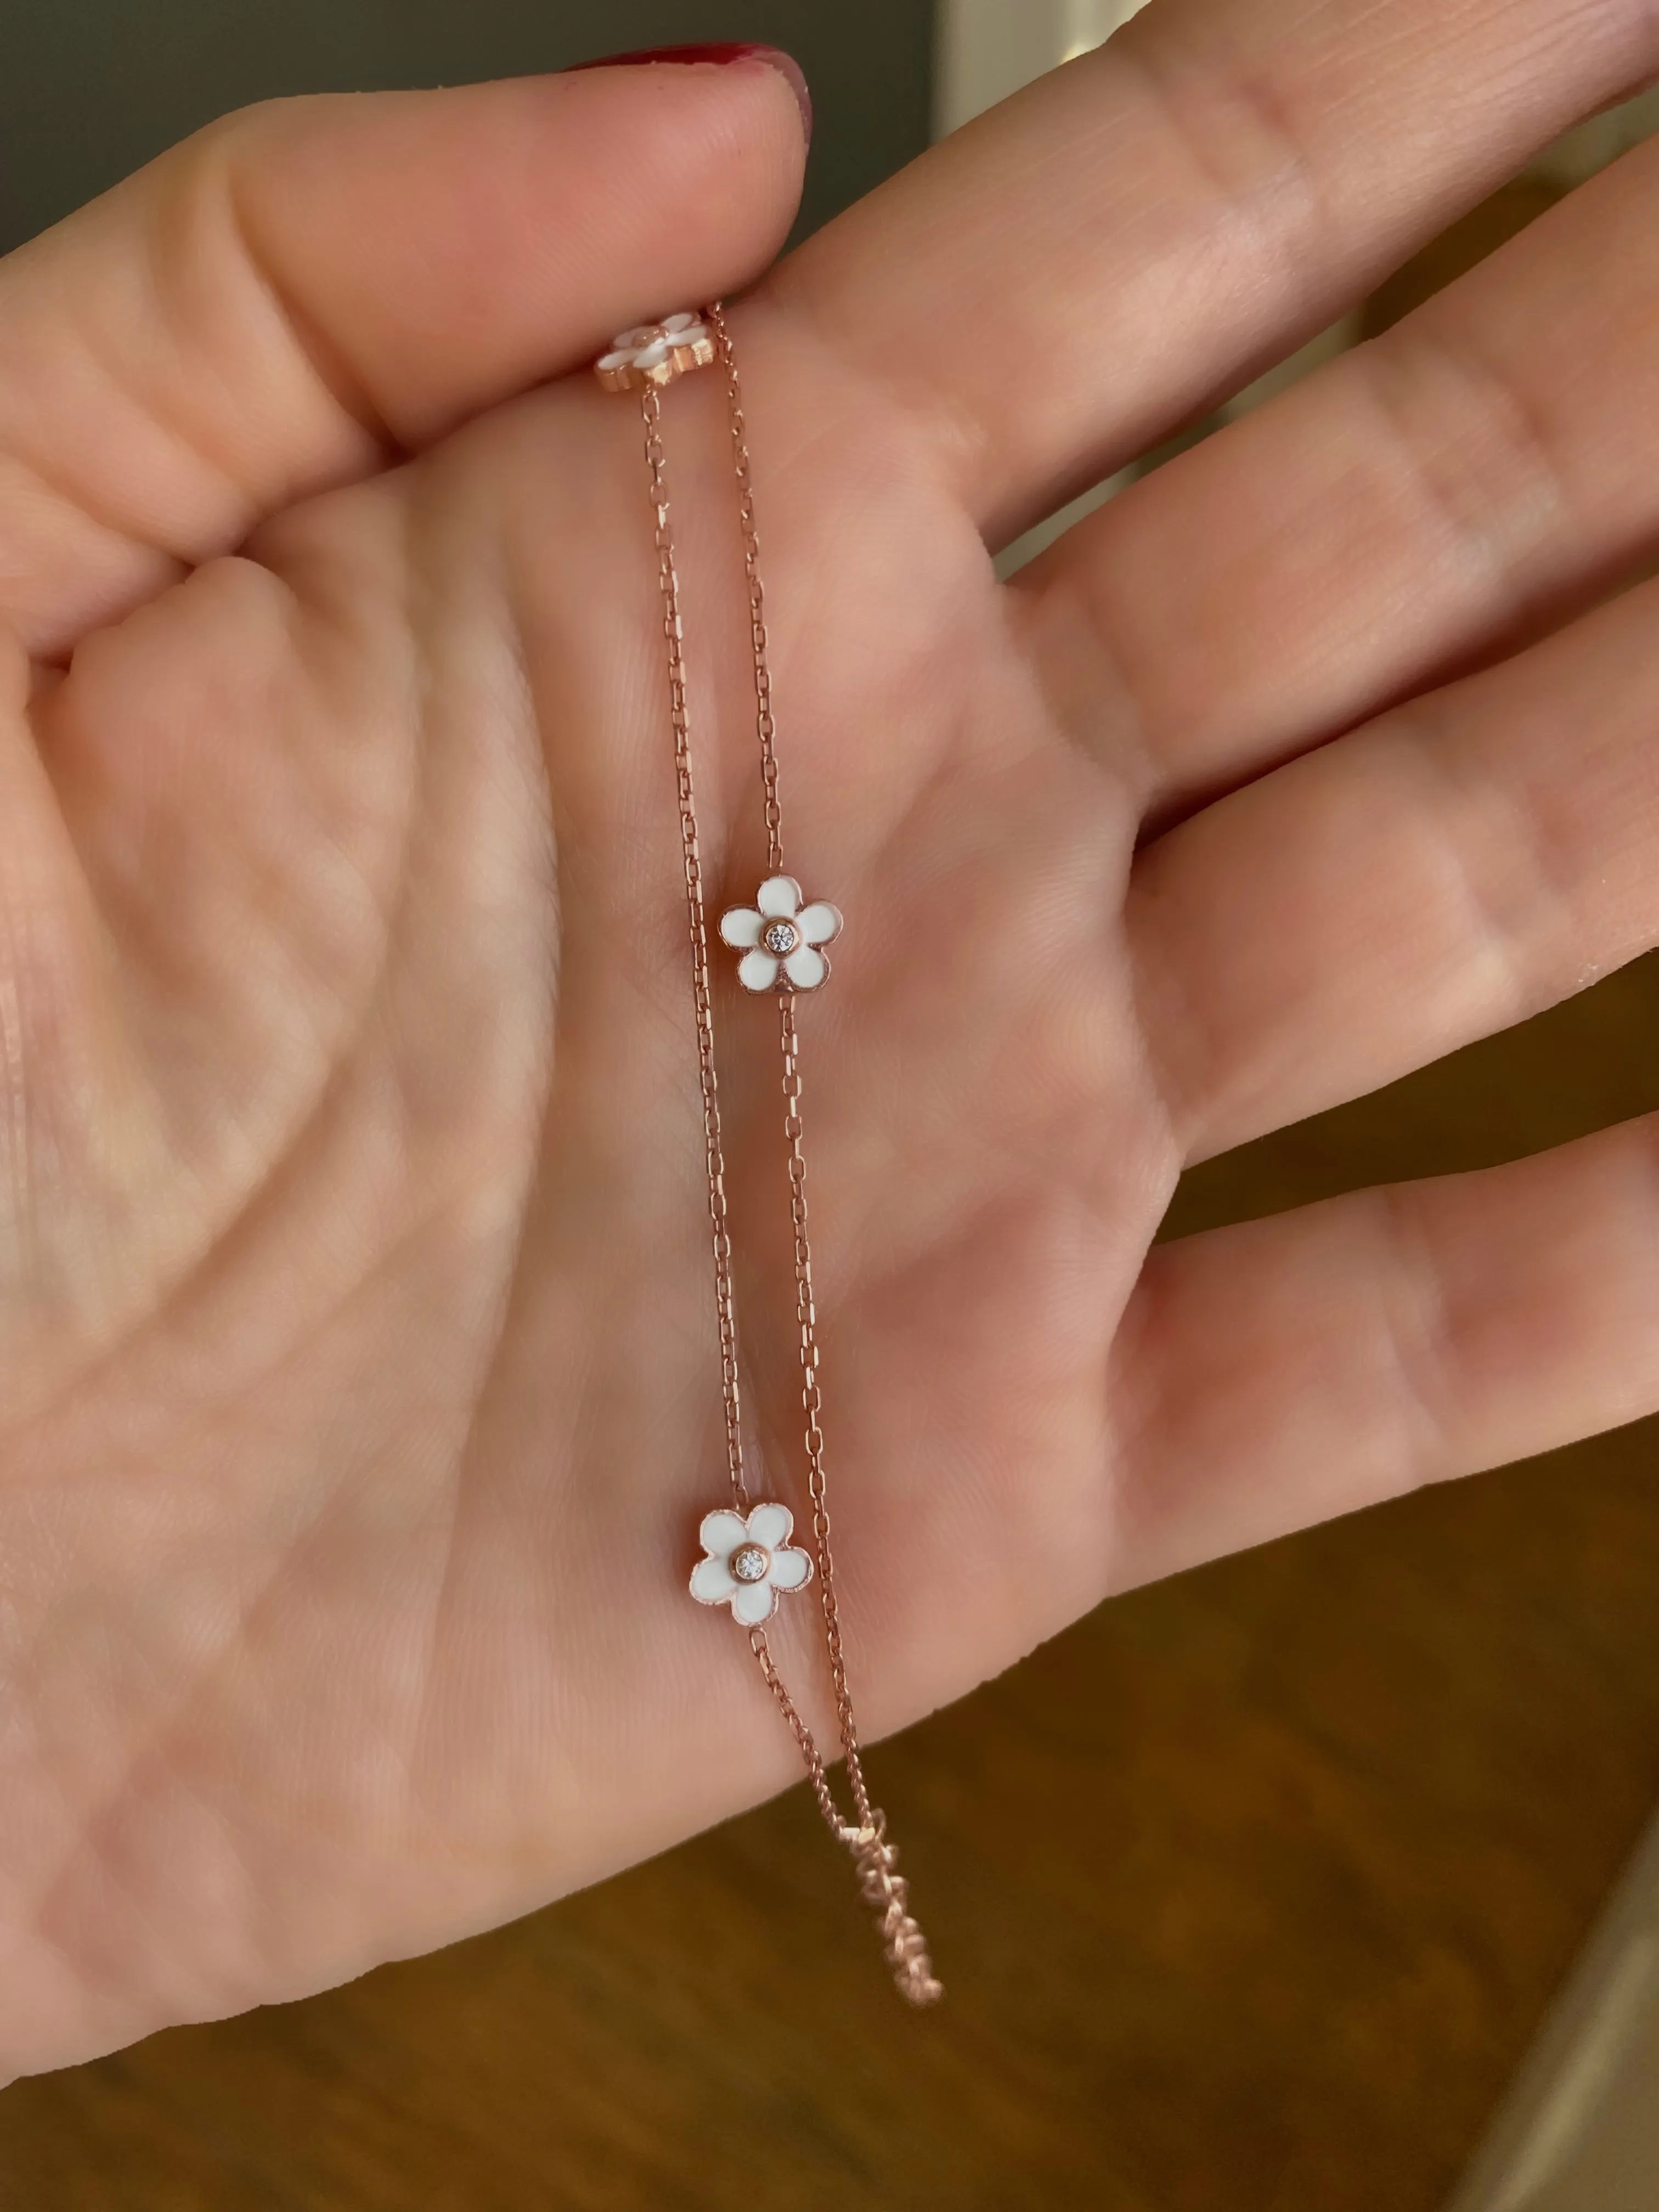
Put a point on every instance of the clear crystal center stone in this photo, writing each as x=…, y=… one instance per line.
x=749, y=1563
x=780, y=937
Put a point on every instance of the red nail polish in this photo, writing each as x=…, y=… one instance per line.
x=786, y=65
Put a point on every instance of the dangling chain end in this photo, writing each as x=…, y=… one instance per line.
x=886, y=1890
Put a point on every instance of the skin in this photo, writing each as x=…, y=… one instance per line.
x=357, y=1371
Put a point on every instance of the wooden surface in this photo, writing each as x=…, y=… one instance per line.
x=1249, y=1890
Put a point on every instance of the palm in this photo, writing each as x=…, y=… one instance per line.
x=358, y=1354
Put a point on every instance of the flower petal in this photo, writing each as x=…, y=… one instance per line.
x=653, y=356
x=758, y=970
x=620, y=359
x=741, y=925
x=806, y=968
x=754, y=1603
x=713, y=1581
x=790, y=1569
x=722, y=1532
x=819, y=922
x=771, y=1525
x=675, y=324
x=779, y=894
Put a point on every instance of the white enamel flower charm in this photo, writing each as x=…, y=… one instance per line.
x=780, y=939
x=749, y=1561
x=655, y=353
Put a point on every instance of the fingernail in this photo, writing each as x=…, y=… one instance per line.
x=775, y=57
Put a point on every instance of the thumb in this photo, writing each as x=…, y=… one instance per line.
x=309, y=288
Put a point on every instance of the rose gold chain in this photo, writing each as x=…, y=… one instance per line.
x=805, y=1308
x=673, y=634
x=766, y=728
x=876, y=1859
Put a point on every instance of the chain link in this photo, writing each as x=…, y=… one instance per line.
x=766, y=726
x=812, y=1404
x=673, y=634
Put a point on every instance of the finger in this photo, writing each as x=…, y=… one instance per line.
x=1463, y=477
x=1132, y=237
x=1275, y=1373
x=273, y=306
x=1451, y=868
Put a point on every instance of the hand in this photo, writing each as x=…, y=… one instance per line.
x=357, y=1351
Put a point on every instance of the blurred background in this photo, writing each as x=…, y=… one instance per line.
x=1290, y=1883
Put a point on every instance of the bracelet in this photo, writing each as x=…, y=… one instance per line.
x=748, y=1559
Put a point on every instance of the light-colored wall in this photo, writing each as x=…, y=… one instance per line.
x=988, y=48
x=1579, y=2131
